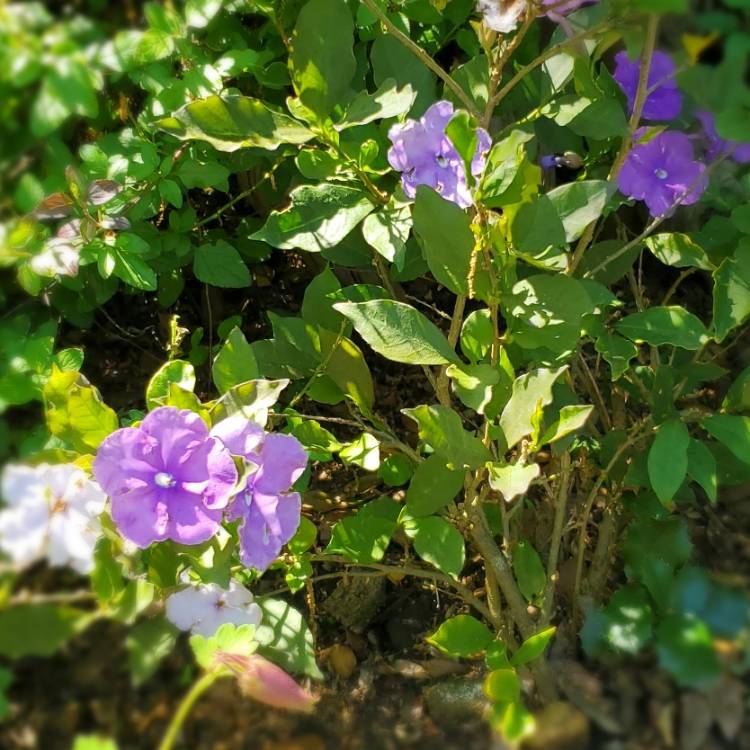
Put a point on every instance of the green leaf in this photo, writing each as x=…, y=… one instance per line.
x=75, y=411
x=731, y=294
x=702, y=468
x=363, y=452
x=199, y=13
x=653, y=549
x=512, y=480
x=529, y=571
x=580, y=203
x=516, y=722
x=483, y=388
x=365, y=536
x=398, y=332
x=572, y=418
x=133, y=269
x=219, y=264
x=438, y=543
x=462, y=636
x=232, y=122
x=93, y=742
x=390, y=100
x=285, y=638
x=738, y=395
x=686, y=651
x=678, y=250
x=628, y=620
x=388, y=230
x=618, y=352
x=67, y=88
x=229, y=637
x=503, y=165
x=668, y=459
x=665, y=325
x=235, y=363
x=38, y=629
x=396, y=470
x=147, y=644
x=441, y=428
x=731, y=431
x=537, y=226
x=445, y=235
x=531, y=392
x=177, y=372
x=433, y=486
x=502, y=686
x=319, y=217
x=317, y=305
x=477, y=335
x=546, y=311
x=533, y=647
x=322, y=60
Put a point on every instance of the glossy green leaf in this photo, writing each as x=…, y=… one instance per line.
x=232, y=122
x=319, y=217
x=176, y=372
x=398, y=332
x=433, y=486
x=533, y=647
x=219, y=264
x=668, y=459
x=665, y=325
x=235, y=363
x=438, y=543
x=462, y=636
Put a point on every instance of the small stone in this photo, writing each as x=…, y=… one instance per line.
x=695, y=721
x=342, y=660
x=559, y=726
x=454, y=702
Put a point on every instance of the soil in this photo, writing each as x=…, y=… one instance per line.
x=396, y=692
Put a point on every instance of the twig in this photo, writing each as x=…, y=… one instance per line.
x=425, y=58
x=557, y=533
x=633, y=438
x=441, y=385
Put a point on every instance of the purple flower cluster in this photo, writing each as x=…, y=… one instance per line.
x=664, y=172
x=169, y=478
x=424, y=155
x=664, y=100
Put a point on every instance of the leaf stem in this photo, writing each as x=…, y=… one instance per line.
x=199, y=687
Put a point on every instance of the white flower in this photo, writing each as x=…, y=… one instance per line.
x=52, y=512
x=204, y=609
x=501, y=15
x=58, y=257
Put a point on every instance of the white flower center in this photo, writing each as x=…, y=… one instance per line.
x=662, y=174
x=442, y=161
x=164, y=480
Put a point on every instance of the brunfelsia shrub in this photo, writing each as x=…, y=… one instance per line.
x=558, y=175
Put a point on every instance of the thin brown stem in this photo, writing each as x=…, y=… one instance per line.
x=561, y=504
x=442, y=386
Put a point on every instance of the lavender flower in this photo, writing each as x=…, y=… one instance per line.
x=269, y=512
x=51, y=512
x=663, y=173
x=424, y=155
x=664, y=100
x=204, y=609
x=717, y=146
x=168, y=479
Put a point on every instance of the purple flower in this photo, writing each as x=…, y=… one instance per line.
x=269, y=512
x=168, y=479
x=717, y=146
x=664, y=100
x=663, y=173
x=424, y=155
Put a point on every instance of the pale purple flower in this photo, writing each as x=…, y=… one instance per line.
x=504, y=15
x=264, y=681
x=167, y=478
x=663, y=173
x=424, y=155
x=52, y=513
x=717, y=146
x=268, y=510
x=664, y=100
x=204, y=609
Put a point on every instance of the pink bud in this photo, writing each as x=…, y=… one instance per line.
x=263, y=681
